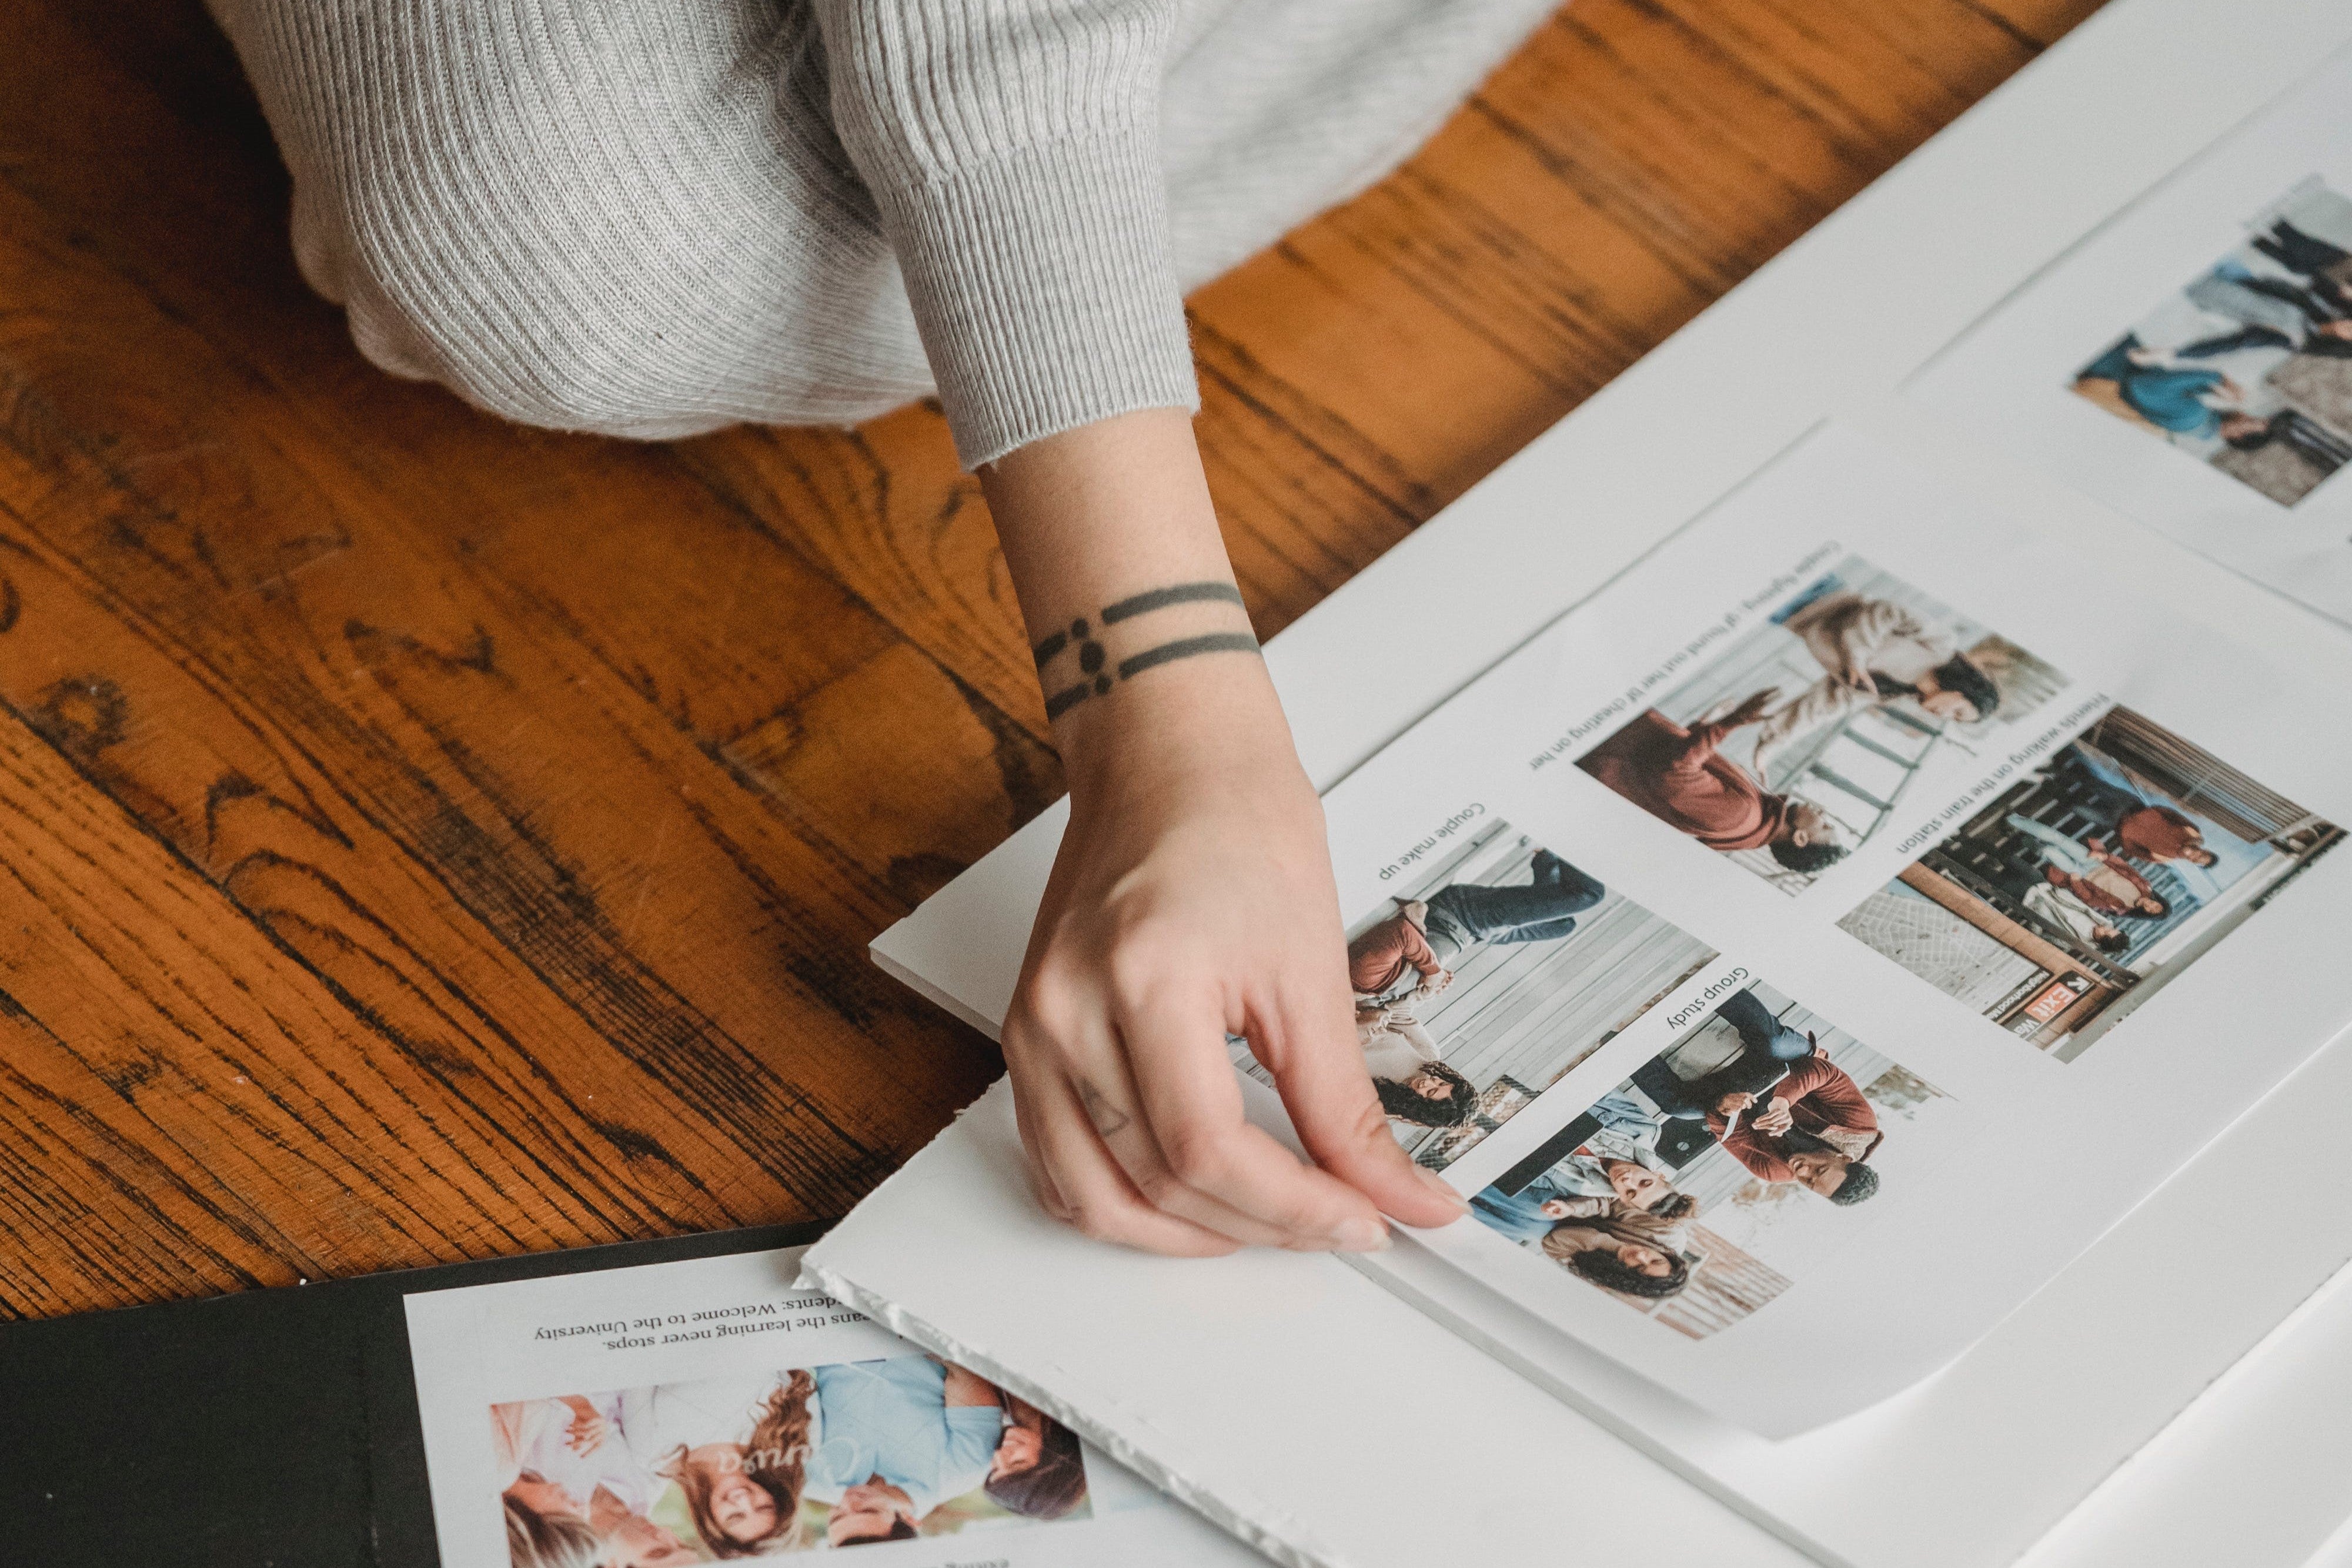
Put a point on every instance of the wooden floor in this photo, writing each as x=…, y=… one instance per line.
x=421, y=839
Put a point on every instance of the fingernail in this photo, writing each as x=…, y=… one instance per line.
x=1361, y=1235
x=1442, y=1189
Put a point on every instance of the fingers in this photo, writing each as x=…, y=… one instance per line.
x=1318, y=1068
x=1049, y=1193
x=1099, y=1199
x=1076, y=1179
x=1192, y=1151
x=1099, y=1164
x=1141, y=1140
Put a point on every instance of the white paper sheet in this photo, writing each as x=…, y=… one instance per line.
x=2122, y=666
x=2172, y=269
x=688, y=1353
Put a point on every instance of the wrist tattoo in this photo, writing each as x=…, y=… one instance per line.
x=1095, y=673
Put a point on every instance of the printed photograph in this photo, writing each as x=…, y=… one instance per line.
x=1687, y=1189
x=2248, y=368
x=852, y=1454
x=1802, y=737
x=1499, y=969
x=2083, y=889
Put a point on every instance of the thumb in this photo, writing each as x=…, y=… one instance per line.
x=1319, y=1069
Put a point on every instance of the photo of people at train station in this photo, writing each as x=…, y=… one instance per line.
x=1502, y=966
x=2249, y=366
x=1681, y=1189
x=2082, y=889
x=1802, y=737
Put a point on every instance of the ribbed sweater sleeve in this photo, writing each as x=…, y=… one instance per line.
x=1012, y=150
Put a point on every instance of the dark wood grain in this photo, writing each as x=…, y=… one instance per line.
x=421, y=839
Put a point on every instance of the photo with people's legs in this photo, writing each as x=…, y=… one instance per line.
x=1682, y=1190
x=845, y=1454
x=1484, y=979
x=2079, y=893
x=2248, y=366
x=1798, y=740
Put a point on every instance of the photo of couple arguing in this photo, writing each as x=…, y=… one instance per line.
x=1681, y=1190
x=848, y=1453
x=1799, y=739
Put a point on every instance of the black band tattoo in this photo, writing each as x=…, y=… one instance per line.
x=1108, y=1118
x=1184, y=648
x=1161, y=598
x=1096, y=680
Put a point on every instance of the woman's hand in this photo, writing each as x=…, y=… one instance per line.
x=1193, y=896
x=1193, y=900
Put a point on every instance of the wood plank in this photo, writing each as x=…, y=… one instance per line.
x=463, y=753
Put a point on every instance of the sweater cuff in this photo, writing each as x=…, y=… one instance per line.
x=1042, y=285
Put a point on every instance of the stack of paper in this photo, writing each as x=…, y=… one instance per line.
x=1865, y=927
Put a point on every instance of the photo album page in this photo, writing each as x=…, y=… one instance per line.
x=703, y=1411
x=2190, y=361
x=1802, y=950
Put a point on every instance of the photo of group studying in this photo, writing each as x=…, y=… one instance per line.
x=1685, y=1191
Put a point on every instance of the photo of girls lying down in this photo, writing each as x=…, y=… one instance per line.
x=849, y=1454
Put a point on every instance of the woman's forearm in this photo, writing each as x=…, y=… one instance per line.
x=1140, y=640
x=1191, y=898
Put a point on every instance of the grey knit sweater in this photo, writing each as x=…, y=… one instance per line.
x=651, y=218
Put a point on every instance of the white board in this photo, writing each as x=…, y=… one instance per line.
x=1842, y=318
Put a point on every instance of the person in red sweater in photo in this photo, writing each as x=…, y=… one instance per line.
x=1814, y=1127
x=2158, y=835
x=1679, y=777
